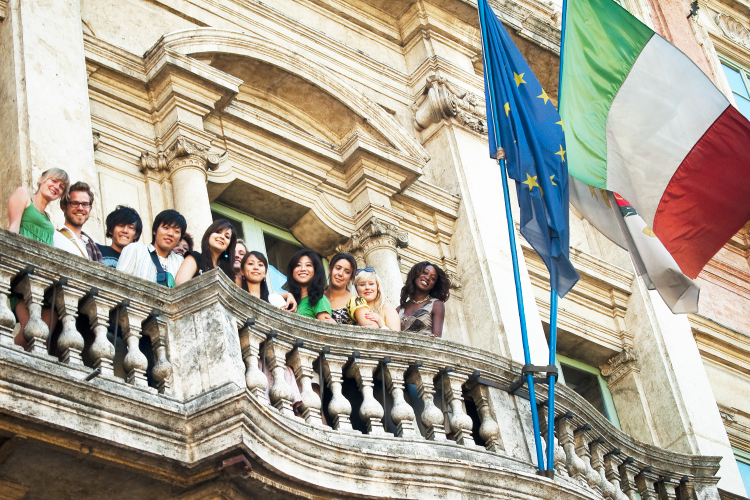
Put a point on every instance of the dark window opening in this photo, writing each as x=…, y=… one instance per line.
x=585, y=384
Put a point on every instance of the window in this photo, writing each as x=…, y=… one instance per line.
x=276, y=244
x=743, y=462
x=587, y=381
x=738, y=82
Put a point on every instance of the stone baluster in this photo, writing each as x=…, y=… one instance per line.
x=135, y=362
x=102, y=351
x=582, y=450
x=645, y=481
x=301, y=360
x=612, y=473
x=461, y=424
x=371, y=411
x=628, y=471
x=559, y=460
x=70, y=341
x=282, y=396
x=36, y=332
x=687, y=489
x=156, y=328
x=7, y=320
x=489, y=431
x=339, y=408
x=250, y=340
x=668, y=488
x=402, y=413
x=597, y=463
x=576, y=467
x=433, y=419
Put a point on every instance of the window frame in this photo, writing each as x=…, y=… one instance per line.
x=742, y=457
x=742, y=70
x=609, y=403
x=254, y=229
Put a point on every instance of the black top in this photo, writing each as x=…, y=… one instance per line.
x=198, y=259
x=110, y=256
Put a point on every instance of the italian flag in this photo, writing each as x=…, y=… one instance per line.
x=642, y=120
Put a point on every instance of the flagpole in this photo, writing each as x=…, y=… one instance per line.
x=553, y=297
x=514, y=257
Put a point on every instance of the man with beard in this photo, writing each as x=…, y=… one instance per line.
x=76, y=207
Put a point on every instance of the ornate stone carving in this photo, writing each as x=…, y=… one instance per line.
x=733, y=29
x=443, y=100
x=619, y=365
x=372, y=234
x=96, y=136
x=455, y=280
x=183, y=152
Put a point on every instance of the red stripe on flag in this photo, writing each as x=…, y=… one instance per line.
x=707, y=201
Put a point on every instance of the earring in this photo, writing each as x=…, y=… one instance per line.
x=225, y=256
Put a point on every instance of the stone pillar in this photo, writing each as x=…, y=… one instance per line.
x=45, y=99
x=379, y=240
x=185, y=164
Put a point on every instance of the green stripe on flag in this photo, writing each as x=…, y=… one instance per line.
x=602, y=42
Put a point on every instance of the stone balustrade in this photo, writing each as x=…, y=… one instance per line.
x=378, y=413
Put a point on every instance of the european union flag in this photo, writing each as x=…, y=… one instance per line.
x=523, y=121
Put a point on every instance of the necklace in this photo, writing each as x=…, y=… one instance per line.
x=421, y=301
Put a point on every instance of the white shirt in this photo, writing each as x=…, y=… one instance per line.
x=136, y=260
x=77, y=246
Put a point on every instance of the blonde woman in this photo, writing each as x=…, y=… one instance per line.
x=28, y=217
x=367, y=284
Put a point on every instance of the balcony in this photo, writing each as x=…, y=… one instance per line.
x=79, y=421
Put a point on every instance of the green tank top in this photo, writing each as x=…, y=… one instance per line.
x=36, y=225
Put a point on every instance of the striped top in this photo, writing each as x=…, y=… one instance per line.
x=136, y=260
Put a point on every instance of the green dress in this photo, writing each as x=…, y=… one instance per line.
x=36, y=225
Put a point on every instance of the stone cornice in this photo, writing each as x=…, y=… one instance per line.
x=720, y=344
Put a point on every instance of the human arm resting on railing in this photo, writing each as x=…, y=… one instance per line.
x=438, y=317
x=187, y=270
x=17, y=203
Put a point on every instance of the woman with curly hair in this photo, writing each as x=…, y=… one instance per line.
x=422, y=308
x=306, y=281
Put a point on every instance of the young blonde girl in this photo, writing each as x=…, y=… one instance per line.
x=367, y=284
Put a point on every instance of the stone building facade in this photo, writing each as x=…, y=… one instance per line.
x=355, y=126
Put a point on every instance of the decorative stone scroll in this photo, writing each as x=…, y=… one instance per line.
x=618, y=366
x=183, y=152
x=375, y=233
x=443, y=100
x=733, y=29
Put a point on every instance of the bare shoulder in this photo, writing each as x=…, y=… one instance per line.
x=21, y=194
x=439, y=305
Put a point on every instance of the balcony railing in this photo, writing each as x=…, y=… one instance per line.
x=402, y=415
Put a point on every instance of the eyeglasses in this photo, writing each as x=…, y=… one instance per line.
x=83, y=204
x=368, y=269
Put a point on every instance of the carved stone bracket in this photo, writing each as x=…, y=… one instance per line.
x=618, y=366
x=179, y=154
x=455, y=280
x=733, y=29
x=373, y=234
x=443, y=100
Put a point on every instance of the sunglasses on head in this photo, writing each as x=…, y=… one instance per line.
x=368, y=269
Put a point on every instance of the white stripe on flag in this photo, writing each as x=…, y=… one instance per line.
x=664, y=107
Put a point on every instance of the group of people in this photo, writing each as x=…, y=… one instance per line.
x=351, y=295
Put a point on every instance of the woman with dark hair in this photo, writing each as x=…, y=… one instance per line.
x=346, y=308
x=423, y=297
x=306, y=280
x=217, y=250
x=240, y=250
x=253, y=269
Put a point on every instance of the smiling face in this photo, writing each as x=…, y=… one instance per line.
x=52, y=189
x=426, y=281
x=254, y=270
x=181, y=248
x=77, y=209
x=167, y=237
x=122, y=236
x=219, y=241
x=341, y=274
x=368, y=289
x=239, y=253
x=304, y=271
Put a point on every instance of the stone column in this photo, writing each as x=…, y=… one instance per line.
x=186, y=164
x=379, y=240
